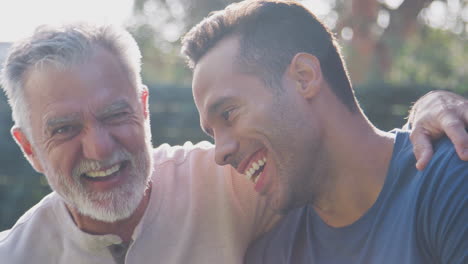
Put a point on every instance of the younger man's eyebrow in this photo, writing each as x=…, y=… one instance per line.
x=214, y=108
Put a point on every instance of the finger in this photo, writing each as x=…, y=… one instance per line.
x=422, y=147
x=463, y=149
x=456, y=131
x=424, y=159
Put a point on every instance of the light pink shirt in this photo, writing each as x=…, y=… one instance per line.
x=198, y=213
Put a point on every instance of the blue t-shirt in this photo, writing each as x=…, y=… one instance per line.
x=419, y=217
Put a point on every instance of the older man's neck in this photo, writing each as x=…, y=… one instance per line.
x=123, y=228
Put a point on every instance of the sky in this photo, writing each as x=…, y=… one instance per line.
x=18, y=18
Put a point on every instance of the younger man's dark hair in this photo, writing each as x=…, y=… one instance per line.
x=271, y=33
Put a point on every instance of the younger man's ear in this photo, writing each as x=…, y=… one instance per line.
x=305, y=70
x=25, y=145
x=144, y=94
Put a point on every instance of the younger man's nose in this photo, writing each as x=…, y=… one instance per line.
x=225, y=149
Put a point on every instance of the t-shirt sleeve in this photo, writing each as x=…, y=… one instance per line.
x=444, y=215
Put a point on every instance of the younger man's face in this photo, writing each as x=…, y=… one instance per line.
x=257, y=129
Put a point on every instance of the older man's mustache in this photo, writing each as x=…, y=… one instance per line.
x=87, y=165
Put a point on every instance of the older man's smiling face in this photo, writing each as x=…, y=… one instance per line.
x=90, y=136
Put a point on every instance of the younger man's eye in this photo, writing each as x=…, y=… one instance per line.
x=227, y=114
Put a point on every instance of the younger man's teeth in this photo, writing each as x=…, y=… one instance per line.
x=258, y=177
x=103, y=173
x=254, y=167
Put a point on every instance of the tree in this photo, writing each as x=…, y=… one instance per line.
x=373, y=32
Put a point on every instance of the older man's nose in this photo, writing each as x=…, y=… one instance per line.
x=98, y=143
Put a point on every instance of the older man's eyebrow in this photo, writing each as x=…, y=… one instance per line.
x=114, y=107
x=61, y=120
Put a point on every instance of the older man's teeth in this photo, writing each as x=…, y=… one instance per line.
x=103, y=173
x=254, y=167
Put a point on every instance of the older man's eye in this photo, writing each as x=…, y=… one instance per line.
x=64, y=130
x=117, y=116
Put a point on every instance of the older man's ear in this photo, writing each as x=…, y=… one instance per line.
x=27, y=148
x=144, y=94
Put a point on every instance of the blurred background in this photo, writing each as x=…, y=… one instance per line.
x=396, y=50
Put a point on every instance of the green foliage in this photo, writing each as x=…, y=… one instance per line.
x=434, y=57
x=386, y=105
x=162, y=62
x=408, y=50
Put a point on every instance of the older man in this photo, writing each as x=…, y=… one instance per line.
x=282, y=111
x=81, y=118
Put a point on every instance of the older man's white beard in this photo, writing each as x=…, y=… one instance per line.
x=113, y=205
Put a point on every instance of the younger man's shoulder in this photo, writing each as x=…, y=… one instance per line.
x=444, y=152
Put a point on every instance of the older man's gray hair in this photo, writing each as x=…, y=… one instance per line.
x=62, y=47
